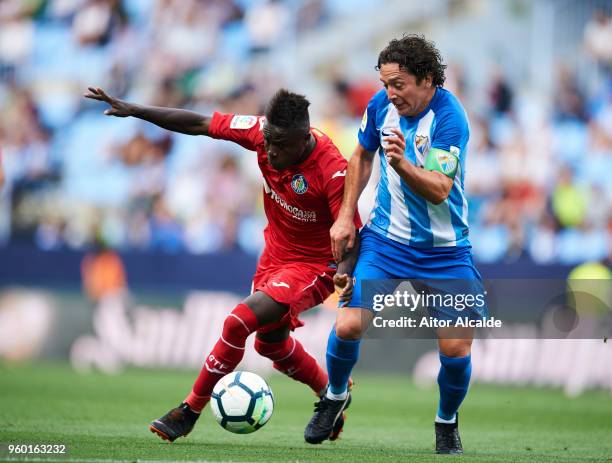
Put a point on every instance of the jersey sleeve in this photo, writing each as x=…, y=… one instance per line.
x=449, y=141
x=241, y=129
x=368, y=133
x=334, y=190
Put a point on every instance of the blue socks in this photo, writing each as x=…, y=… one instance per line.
x=453, y=379
x=341, y=357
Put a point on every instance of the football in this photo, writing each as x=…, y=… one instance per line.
x=242, y=402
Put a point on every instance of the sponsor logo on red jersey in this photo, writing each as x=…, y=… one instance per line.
x=296, y=213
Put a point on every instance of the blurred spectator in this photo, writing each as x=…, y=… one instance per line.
x=569, y=101
x=310, y=14
x=456, y=80
x=598, y=37
x=500, y=94
x=266, y=22
x=227, y=198
x=49, y=233
x=542, y=245
x=569, y=202
x=94, y=21
x=102, y=272
x=166, y=234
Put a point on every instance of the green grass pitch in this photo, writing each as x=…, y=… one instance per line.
x=105, y=418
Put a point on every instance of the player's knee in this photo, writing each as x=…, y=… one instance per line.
x=456, y=347
x=264, y=348
x=260, y=347
x=266, y=309
x=239, y=323
x=348, y=329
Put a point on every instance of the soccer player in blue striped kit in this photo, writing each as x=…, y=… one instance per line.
x=418, y=228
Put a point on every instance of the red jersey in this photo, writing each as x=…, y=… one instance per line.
x=300, y=202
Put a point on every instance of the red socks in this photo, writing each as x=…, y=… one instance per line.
x=290, y=358
x=225, y=356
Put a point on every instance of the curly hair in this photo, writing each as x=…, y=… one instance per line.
x=415, y=55
x=288, y=110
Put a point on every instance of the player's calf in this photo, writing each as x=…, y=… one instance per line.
x=225, y=355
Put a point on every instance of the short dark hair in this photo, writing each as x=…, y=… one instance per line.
x=288, y=110
x=415, y=55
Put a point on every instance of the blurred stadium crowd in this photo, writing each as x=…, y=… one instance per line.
x=538, y=176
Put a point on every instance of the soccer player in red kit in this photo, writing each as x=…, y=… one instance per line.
x=303, y=175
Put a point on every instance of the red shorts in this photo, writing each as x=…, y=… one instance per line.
x=300, y=286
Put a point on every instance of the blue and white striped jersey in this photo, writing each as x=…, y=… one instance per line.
x=399, y=213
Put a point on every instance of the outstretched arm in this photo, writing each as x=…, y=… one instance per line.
x=176, y=120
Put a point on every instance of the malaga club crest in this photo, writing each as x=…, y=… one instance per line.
x=422, y=143
x=299, y=184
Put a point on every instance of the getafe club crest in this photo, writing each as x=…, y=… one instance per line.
x=299, y=184
x=422, y=144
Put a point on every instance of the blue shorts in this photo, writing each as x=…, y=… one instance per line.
x=450, y=269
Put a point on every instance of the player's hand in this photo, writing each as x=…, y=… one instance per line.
x=344, y=287
x=394, y=148
x=117, y=108
x=342, y=234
